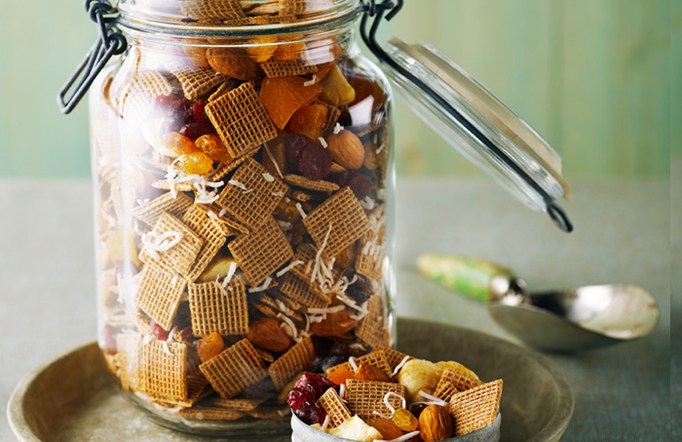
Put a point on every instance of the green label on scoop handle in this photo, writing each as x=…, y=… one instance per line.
x=469, y=276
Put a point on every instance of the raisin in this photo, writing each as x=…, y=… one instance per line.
x=294, y=145
x=195, y=163
x=405, y=420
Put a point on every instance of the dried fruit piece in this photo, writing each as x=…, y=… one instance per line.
x=269, y=335
x=336, y=90
x=340, y=374
x=283, y=96
x=309, y=120
x=367, y=372
x=336, y=324
x=405, y=420
x=290, y=51
x=314, y=162
x=175, y=144
x=365, y=87
x=388, y=429
x=304, y=395
x=418, y=375
x=195, y=163
x=435, y=424
x=234, y=63
x=210, y=346
x=263, y=48
x=347, y=149
x=212, y=146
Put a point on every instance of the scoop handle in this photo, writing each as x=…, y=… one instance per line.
x=474, y=278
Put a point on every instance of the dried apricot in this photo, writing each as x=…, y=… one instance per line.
x=195, y=163
x=283, y=96
x=290, y=51
x=212, y=146
x=405, y=420
x=367, y=372
x=388, y=429
x=336, y=90
x=210, y=346
x=309, y=120
x=263, y=48
x=233, y=62
x=340, y=374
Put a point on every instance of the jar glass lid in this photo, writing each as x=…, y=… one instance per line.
x=477, y=124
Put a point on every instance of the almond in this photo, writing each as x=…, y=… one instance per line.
x=346, y=149
x=335, y=324
x=269, y=335
x=435, y=423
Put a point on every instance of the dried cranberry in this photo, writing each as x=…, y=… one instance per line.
x=294, y=148
x=315, y=161
x=186, y=333
x=360, y=185
x=304, y=405
x=195, y=130
x=195, y=113
x=159, y=332
x=315, y=384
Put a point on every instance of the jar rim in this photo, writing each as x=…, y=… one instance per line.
x=150, y=20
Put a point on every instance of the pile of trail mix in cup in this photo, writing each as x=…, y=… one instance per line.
x=387, y=395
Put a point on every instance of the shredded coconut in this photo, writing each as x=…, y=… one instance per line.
x=263, y=287
x=353, y=364
x=338, y=129
x=311, y=82
x=301, y=211
x=160, y=243
x=230, y=273
x=378, y=151
x=400, y=365
x=325, y=424
x=288, y=268
x=367, y=203
x=342, y=391
x=323, y=142
x=289, y=326
x=238, y=184
x=267, y=151
x=433, y=400
x=327, y=310
x=269, y=178
x=278, y=194
x=211, y=214
x=222, y=212
x=285, y=225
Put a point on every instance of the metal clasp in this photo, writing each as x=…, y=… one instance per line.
x=109, y=42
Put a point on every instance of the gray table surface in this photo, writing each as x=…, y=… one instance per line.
x=622, y=235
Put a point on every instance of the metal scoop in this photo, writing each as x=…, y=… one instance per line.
x=567, y=320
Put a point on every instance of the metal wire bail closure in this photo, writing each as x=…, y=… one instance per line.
x=109, y=42
x=375, y=11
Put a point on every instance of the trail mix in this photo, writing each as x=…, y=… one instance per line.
x=242, y=222
x=390, y=396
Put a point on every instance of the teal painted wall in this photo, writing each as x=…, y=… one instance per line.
x=595, y=77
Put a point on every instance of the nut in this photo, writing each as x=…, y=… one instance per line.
x=435, y=424
x=346, y=149
x=269, y=335
x=335, y=324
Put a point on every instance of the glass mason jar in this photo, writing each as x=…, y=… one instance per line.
x=242, y=157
